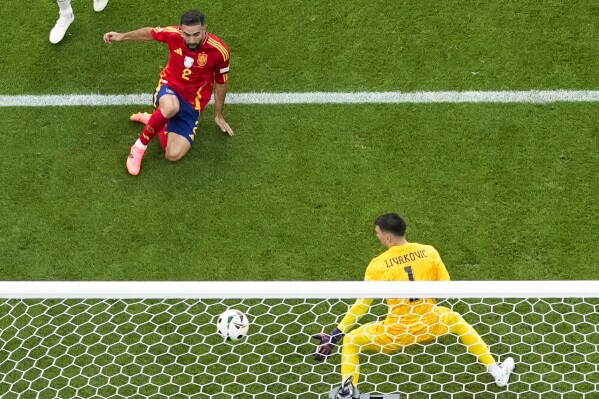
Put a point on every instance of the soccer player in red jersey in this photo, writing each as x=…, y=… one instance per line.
x=197, y=66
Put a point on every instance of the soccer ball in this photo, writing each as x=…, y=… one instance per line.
x=232, y=325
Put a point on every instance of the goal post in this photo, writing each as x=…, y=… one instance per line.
x=297, y=289
x=159, y=339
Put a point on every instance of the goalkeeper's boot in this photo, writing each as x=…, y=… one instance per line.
x=506, y=371
x=347, y=390
x=99, y=5
x=141, y=117
x=60, y=29
x=134, y=160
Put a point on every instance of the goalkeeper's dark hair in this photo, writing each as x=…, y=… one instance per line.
x=392, y=223
x=193, y=17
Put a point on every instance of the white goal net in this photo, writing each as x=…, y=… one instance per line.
x=159, y=340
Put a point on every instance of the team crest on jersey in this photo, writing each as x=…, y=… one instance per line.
x=188, y=62
x=202, y=59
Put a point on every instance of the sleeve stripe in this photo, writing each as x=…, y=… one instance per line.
x=219, y=47
x=222, y=50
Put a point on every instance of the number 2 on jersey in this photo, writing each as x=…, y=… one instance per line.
x=408, y=270
x=186, y=73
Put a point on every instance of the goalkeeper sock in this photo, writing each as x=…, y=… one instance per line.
x=155, y=124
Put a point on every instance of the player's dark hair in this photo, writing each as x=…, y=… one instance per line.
x=193, y=17
x=392, y=223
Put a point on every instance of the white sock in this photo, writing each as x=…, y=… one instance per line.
x=494, y=369
x=65, y=6
x=139, y=144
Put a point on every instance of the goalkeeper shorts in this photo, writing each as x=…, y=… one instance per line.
x=387, y=338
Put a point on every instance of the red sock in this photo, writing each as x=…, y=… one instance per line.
x=163, y=137
x=155, y=124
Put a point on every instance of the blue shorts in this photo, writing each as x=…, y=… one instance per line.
x=185, y=122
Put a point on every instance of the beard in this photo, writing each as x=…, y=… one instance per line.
x=193, y=47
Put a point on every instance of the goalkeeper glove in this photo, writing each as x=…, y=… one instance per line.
x=327, y=342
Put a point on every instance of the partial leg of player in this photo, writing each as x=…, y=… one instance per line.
x=506, y=367
x=100, y=5
x=178, y=146
x=144, y=117
x=134, y=160
x=65, y=18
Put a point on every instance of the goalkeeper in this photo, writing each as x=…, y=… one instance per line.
x=410, y=321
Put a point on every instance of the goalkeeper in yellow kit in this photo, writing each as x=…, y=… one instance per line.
x=409, y=321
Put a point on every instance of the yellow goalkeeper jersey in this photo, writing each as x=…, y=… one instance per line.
x=408, y=262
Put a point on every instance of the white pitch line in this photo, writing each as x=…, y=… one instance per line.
x=392, y=97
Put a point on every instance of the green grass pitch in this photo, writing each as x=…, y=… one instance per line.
x=502, y=191
x=294, y=193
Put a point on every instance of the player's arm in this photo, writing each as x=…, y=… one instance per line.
x=220, y=92
x=354, y=314
x=221, y=77
x=135, y=35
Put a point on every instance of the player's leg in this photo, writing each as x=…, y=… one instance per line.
x=163, y=138
x=168, y=106
x=368, y=337
x=455, y=324
x=141, y=117
x=350, y=359
x=181, y=132
x=99, y=5
x=144, y=117
x=177, y=147
x=65, y=18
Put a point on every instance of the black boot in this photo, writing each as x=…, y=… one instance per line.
x=348, y=391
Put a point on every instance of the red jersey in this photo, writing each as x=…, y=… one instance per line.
x=192, y=73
